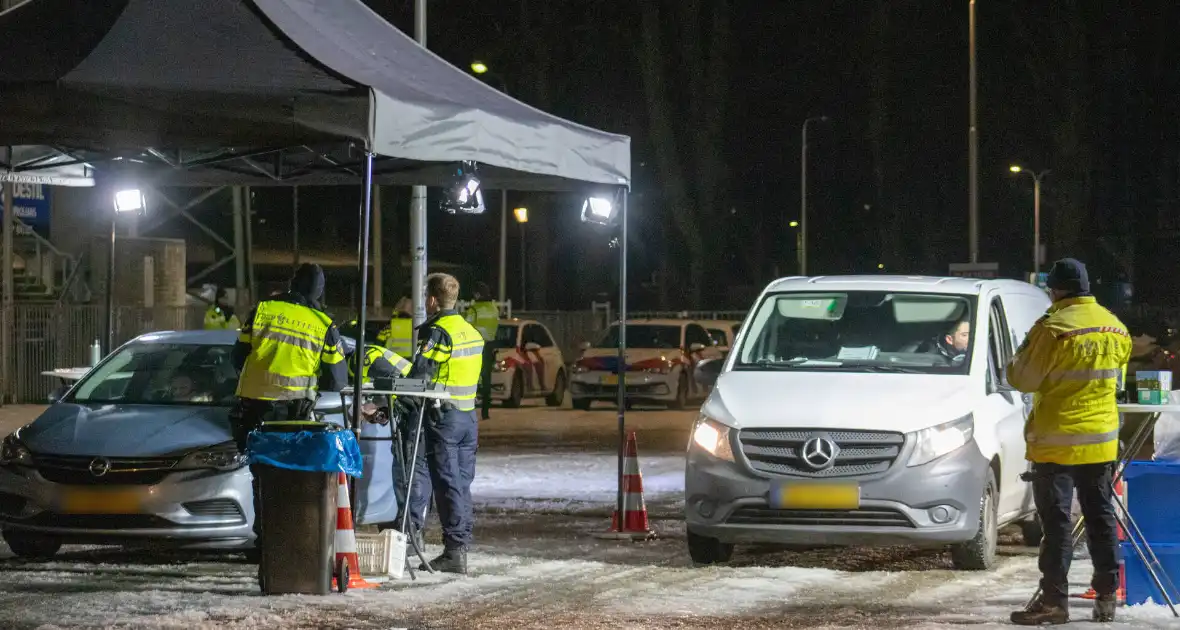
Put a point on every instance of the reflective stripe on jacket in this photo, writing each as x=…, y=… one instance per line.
x=215, y=319
x=398, y=336
x=458, y=360
x=485, y=317
x=287, y=346
x=1073, y=361
x=378, y=355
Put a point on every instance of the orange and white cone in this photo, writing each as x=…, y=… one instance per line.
x=1120, y=489
x=346, y=538
x=634, y=517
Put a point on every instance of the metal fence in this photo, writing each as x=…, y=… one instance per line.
x=43, y=337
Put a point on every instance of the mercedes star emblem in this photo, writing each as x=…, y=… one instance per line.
x=100, y=466
x=819, y=453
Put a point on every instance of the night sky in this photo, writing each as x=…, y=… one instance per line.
x=792, y=59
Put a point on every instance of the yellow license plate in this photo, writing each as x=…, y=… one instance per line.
x=100, y=502
x=815, y=496
x=610, y=379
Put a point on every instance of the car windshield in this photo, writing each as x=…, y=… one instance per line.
x=506, y=336
x=647, y=336
x=162, y=374
x=860, y=331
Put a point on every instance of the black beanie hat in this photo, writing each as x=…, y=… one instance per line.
x=1069, y=275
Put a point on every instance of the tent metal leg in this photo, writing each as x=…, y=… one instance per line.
x=363, y=270
x=622, y=367
x=417, y=437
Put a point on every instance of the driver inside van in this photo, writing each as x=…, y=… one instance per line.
x=953, y=345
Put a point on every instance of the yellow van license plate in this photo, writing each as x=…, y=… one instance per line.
x=610, y=379
x=100, y=502
x=815, y=496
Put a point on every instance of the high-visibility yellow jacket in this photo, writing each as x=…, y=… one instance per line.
x=380, y=363
x=217, y=318
x=485, y=317
x=288, y=351
x=451, y=353
x=398, y=336
x=1073, y=361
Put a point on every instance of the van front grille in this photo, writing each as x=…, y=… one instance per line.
x=858, y=453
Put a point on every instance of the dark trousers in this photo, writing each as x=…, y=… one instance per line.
x=446, y=466
x=485, y=377
x=1053, y=488
x=249, y=414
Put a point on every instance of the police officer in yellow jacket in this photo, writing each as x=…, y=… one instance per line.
x=287, y=351
x=220, y=314
x=1074, y=362
x=398, y=334
x=450, y=353
x=485, y=316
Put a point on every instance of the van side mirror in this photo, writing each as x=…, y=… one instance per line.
x=706, y=372
x=56, y=395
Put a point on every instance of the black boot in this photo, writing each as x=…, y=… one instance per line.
x=1104, y=607
x=1041, y=614
x=451, y=561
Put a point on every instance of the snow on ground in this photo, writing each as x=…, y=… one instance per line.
x=544, y=482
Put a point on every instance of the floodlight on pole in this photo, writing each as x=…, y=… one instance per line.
x=479, y=67
x=130, y=200
x=521, y=214
x=465, y=194
x=600, y=210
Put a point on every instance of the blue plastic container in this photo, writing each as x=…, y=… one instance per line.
x=1140, y=586
x=1153, y=492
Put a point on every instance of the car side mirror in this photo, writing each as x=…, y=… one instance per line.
x=706, y=372
x=585, y=345
x=532, y=346
x=696, y=347
x=56, y=395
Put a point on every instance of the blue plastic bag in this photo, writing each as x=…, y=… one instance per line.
x=311, y=451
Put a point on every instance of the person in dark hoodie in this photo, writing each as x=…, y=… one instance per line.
x=288, y=350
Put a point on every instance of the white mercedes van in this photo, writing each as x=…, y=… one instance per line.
x=866, y=410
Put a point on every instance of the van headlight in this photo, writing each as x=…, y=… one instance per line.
x=932, y=443
x=223, y=457
x=713, y=438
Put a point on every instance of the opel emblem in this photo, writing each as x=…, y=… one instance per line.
x=100, y=466
x=819, y=453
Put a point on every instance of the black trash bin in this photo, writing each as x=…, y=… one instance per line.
x=298, y=524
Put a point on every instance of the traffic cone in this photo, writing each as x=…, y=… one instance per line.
x=1120, y=489
x=346, y=539
x=634, y=517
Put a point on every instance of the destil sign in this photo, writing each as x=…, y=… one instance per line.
x=30, y=204
x=975, y=270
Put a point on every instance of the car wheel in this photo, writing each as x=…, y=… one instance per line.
x=517, y=394
x=31, y=546
x=558, y=396
x=681, y=400
x=705, y=550
x=979, y=553
x=1031, y=532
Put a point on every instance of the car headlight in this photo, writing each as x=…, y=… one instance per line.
x=932, y=443
x=13, y=452
x=713, y=438
x=224, y=457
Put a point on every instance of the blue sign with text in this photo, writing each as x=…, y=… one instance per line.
x=30, y=204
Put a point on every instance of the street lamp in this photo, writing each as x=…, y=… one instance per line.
x=480, y=68
x=1016, y=168
x=972, y=142
x=126, y=201
x=522, y=217
x=794, y=225
x=803, y=198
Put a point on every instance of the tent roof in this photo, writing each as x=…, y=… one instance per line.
x=272, y=91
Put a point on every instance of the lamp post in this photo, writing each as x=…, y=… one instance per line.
x=794, y=225
x=972, y=144
x=1016, y=168
x=803, y=197
x=481, y=69
x=522, y=217
x=126, y=201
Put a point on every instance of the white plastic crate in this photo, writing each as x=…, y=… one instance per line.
x=382, y=555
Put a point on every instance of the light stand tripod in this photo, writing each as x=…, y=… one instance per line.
x=1134, y=535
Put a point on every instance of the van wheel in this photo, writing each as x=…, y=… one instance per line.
x=558, y=395
x=1031, y=532
x=517, y=395
x=979, y=553
x=681, y=400
x=705, y=550
x=29, y=546
x=582, y=404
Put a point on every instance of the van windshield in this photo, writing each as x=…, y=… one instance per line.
x=860, y=331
